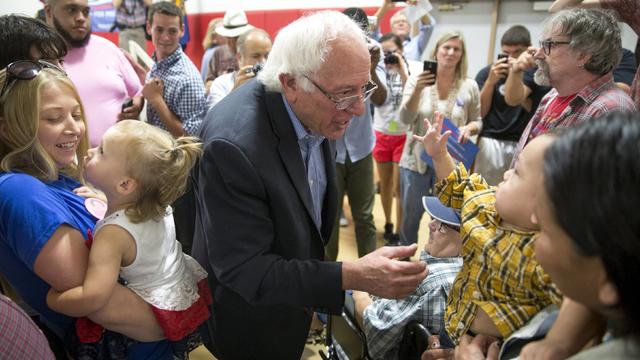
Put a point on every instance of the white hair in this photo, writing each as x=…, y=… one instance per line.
x=397, y=16
x=301, y=47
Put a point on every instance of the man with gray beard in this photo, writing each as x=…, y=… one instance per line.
x=577, y=54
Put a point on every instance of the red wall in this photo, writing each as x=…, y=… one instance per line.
x=269, y=20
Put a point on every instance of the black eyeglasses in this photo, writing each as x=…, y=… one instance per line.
x=546, y=45
x=442, y=227
x=25, y=70
x=344, y=103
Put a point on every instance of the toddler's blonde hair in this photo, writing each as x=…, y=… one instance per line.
x=159, y=163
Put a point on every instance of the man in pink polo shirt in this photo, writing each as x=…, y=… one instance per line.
x=98, y=68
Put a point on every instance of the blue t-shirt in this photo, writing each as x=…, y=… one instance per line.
x=30, y=212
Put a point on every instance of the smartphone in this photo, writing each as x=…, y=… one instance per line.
x=398, y=0
x=500, y=56
x=430, y=65
x=127, y=103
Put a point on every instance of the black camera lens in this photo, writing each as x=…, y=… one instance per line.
x=256, y=68
x=391, y=58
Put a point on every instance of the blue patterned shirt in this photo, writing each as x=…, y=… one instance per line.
x=311, y=151
x=183, y=91
x=386, y=319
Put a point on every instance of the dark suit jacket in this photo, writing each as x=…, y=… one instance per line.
x=254, y=230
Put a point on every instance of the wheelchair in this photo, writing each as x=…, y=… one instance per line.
x=344, y=330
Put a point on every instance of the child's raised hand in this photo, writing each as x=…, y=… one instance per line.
x=434, y=143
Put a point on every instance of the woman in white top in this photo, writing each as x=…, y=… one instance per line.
x=451, y=93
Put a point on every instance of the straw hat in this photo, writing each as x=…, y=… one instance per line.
x=234, y=24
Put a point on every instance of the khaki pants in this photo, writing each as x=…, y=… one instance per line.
x=136, y=34
x=357, y=179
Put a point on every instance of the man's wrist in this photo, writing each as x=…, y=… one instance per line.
x=348, y=274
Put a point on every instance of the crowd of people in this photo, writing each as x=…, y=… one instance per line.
x=215, y=220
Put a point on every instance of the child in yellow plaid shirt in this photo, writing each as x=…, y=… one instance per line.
x=500, y=286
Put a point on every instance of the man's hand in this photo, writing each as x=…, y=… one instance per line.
x=133, y=111
x=380, y=273
x=525, y=61
x=481, y=347
x=499, y=70
x=153, y=90
x=243, y=75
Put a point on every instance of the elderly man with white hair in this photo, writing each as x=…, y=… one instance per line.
x=267, y=197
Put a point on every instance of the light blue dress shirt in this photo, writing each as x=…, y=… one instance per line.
x=358, y=140
x=311, y=151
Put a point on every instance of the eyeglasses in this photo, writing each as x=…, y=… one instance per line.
x=546, y=45
x=25, y=70
x=442, y=228
x=344, y=103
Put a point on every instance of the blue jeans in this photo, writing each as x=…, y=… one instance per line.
x=413, y=186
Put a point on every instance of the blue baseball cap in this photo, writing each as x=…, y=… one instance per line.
x=436, y=210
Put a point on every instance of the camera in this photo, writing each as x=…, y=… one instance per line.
x=391, y=58
x=257, y=67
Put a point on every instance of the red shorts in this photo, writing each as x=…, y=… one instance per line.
x=388, y=147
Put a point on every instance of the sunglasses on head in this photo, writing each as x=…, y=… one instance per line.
x=25, y=70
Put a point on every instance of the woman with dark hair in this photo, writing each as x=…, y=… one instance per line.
x=593, y=256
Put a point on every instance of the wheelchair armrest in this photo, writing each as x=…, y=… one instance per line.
x=346, y=331
x=349, y=310
x=414, y=341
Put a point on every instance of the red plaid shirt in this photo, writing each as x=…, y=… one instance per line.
x=629, y=12
x=20, y=337
x=599, y=97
